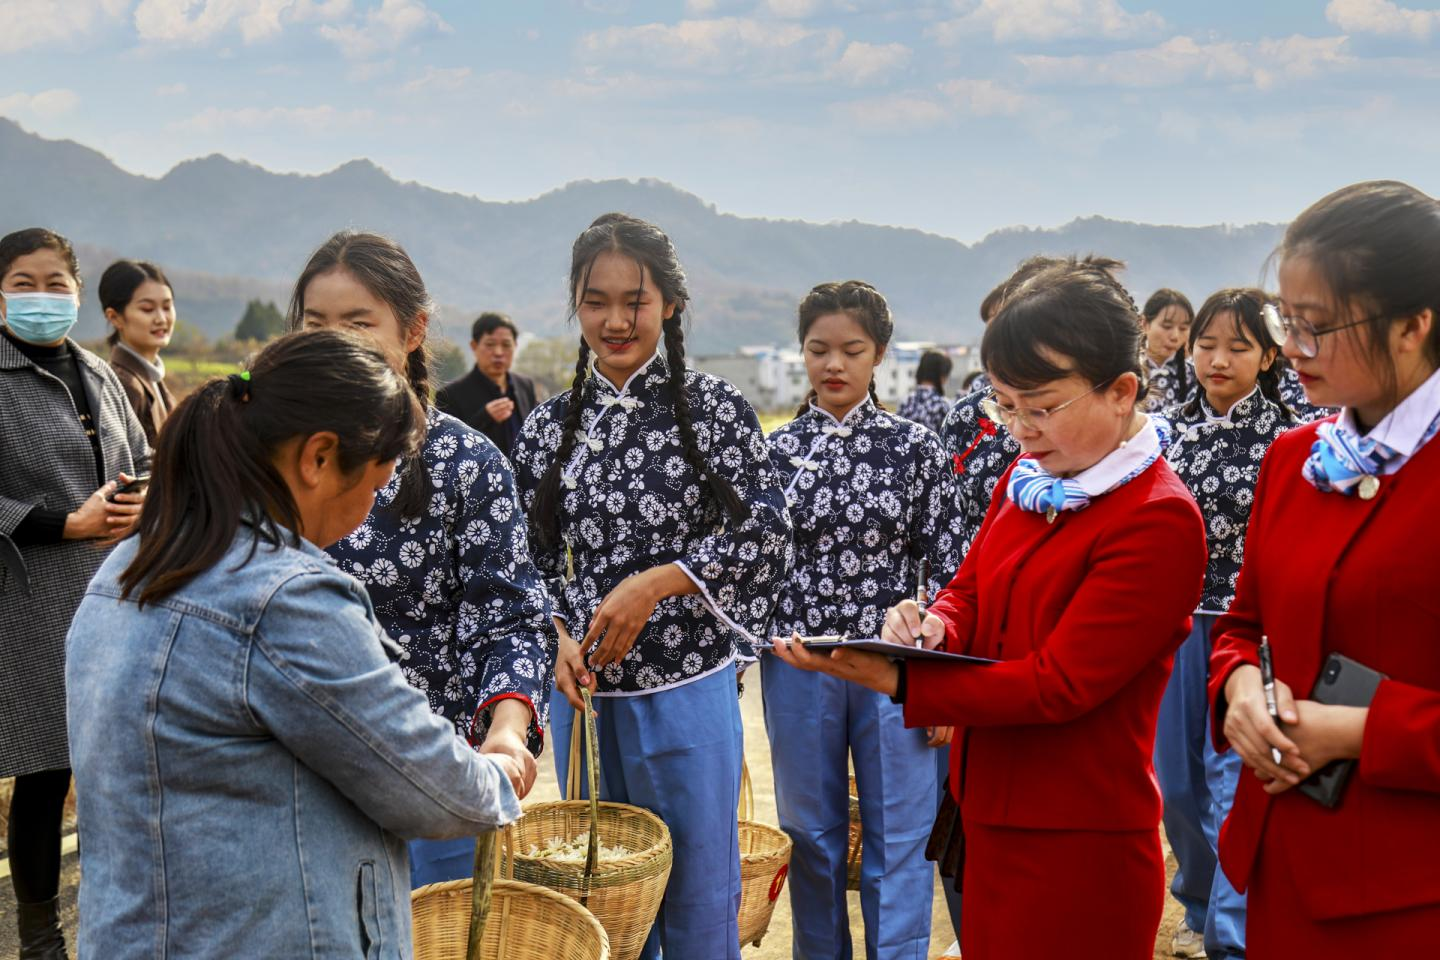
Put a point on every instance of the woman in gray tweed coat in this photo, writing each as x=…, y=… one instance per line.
x=67, y=436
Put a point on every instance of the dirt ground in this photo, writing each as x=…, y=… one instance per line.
x=776, y=945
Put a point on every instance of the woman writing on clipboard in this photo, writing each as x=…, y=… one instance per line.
x=1080, y=582
x=1340, y=558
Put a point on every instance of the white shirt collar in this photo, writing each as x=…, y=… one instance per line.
x=1122, y=463
x=853, y=412
x=1403, y=428
x=156, y=370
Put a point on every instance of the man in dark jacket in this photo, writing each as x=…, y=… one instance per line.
x=491, y=397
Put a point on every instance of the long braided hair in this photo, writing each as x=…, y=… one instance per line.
x=651, y=250
x=384, y=268
x=1244, y=305
x=862, y=303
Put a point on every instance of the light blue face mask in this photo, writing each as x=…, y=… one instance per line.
x=41, y=317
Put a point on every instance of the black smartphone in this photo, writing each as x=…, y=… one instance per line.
x=1346, y=683
x=135, y=485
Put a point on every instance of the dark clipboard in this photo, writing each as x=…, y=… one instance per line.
x=894, y=651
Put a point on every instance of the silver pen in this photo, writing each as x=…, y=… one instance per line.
x=1267, y=679
x=922, y=595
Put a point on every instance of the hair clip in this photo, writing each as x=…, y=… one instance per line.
x=240, y=386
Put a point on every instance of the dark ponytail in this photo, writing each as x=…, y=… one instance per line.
x=647, y=245
x=863, y=304
x=118, y=285
x=384, y=268
x=213, y=463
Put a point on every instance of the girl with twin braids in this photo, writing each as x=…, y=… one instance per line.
x=656, y=515
x=870, y=496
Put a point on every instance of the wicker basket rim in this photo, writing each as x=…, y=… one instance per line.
x=660, y=848
x=781, y=844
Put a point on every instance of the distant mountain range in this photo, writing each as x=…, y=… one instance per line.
x=227, y=230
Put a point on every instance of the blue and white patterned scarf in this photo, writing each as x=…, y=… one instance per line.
x=1339, y=459
x=1034, y=489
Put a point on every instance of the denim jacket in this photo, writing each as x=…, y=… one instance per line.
x=248, y=760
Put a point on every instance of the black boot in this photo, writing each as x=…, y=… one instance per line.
x=40, y=935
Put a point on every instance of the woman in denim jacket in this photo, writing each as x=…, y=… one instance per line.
x=248, y=758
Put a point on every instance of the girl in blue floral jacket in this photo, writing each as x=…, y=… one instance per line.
x=1220, y=438
x=871, y=498
x=662, y=530
x=443, y=555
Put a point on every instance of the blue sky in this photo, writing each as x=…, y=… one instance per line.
x=954, y=116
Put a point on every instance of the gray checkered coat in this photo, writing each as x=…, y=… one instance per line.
x=46, y=460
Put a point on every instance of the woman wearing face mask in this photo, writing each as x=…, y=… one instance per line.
x=1166, y=322
x=70, y=437
x=1080, y=583
x=1340, y=558
x=1221, y=436
x=140, y=307
x=247, y=756
x=443, y=555
x=652, y=483
x=870, y=499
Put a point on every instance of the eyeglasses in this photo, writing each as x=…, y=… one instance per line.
x=1307, y=335
x=1032, y=417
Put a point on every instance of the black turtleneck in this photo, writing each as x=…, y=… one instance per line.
x=41, y=525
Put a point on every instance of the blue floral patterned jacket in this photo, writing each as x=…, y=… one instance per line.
x=630, y=501
x=456, y=587
x=980, y=452
x=926, y=407
x=869, y=496
x=1219, y=460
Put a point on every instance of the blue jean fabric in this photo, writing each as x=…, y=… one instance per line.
x=1199, y=786
x=435, y=861
x=815, y=724
x=248, y=760
x=952, y=896
x=677, y=753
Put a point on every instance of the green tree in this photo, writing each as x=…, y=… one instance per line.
x=262, y=320
x=447, y=362
x=187, y=340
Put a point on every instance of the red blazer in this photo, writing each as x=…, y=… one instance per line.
x=1325, y=573
x=1086, y=614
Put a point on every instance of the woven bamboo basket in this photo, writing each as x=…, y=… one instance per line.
x=490, y=919
x=764, y=865
x=854, y=850
x=623, y=894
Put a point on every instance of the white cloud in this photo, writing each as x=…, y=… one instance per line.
x=1009, y=21
x=33, y=23
x=729, y=45
x=448, y=79
x=171, y=90
x=391, y=25
x=865, y=63
x=901, y=112
x=985, y=98
x=46, y=103
x=1382, y=17
x=323, y=118
x=200, y=21
x=1261, y=63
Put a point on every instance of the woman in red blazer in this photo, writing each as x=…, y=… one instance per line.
x=1080, y=582
x=1341, y=557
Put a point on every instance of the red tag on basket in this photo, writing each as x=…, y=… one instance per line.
x=778, y=883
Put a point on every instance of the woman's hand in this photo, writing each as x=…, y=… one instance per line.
x=904, y=625
x=509, y=725
x=939, y=736
x=100, y=518
x=1252, y=733
x=627, y=608
x=1324, y=733
x=570, y=671
x=870, y=670
x=123, y=512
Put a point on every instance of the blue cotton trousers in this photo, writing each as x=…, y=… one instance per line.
x=677, y=753
x=1199, y=787
x=816, y=723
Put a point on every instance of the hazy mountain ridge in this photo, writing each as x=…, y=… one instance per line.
x=232, y=230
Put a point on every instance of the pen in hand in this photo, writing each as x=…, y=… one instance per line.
x=922, y=595
x=1267, y=679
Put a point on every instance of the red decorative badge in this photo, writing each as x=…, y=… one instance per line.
x=778, y=883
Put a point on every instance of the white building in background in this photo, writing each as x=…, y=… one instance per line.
x=774, y=378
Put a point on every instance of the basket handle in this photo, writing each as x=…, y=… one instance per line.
x=747, y=792
x=586, y=728
x=484, y=876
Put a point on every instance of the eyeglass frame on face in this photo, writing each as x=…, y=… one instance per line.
x=1034, y=418
x=1307, y=335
